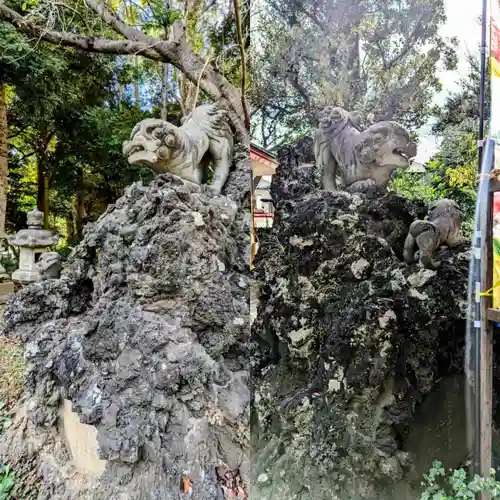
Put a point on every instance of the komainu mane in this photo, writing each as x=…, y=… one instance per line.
x=363, y=159
x=203, y=138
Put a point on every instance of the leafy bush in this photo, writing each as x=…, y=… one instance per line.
x=455, y=485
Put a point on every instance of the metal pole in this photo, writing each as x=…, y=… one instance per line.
x=484, y=23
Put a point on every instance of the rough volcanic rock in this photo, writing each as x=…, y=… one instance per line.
x=348, y=341
x=145, y=334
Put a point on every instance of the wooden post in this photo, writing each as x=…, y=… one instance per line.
x=254, y=242
x=486, y=342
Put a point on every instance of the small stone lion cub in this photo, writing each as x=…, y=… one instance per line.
x=442, y=227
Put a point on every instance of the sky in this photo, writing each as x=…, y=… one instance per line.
x=463, y=21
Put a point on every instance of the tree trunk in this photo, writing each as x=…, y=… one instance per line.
x=164, y=92
x=164, y=79
x=121, y=91
x=80, y=214
x=46, y=200
x=42, y=162
x=4, y=165
x=40, y=203
x=70, y=228
x=241, y=43
x=354, y=70
x=136, y=85
x=42, y=192
x=188, y=86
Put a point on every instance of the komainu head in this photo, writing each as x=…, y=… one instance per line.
x=154, y=143
x=385, y=144
x=444, y=208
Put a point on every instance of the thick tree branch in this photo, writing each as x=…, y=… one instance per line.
x=87, y=43
x=112, y=19
x=180, y=55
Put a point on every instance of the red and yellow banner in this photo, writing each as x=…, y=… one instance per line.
x=494, y=128
x=495, y=44
x=494, y=133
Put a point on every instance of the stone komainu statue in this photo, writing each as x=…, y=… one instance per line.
x=49, y=265
x=363, y=159
x=204, y=137
x=442, y=227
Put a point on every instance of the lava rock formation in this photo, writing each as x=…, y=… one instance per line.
x=347, y=343
x=145, y=334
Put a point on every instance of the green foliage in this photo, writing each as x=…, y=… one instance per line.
x=69, y=111
x=462, y=105
x=452, y=172
x=64, y=251
x=7, y=481
x=65, y=120
x=21, y=196
x=454, y=168
x=224, y=42
x=455, y=485
x=412, y=186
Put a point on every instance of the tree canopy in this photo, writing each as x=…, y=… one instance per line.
x=132, y=29
x=452, y=171
x=377, y=57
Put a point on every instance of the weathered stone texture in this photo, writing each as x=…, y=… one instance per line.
x=145, y=334
x=348, y=341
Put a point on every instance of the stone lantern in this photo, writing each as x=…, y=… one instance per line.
x=32, y=242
